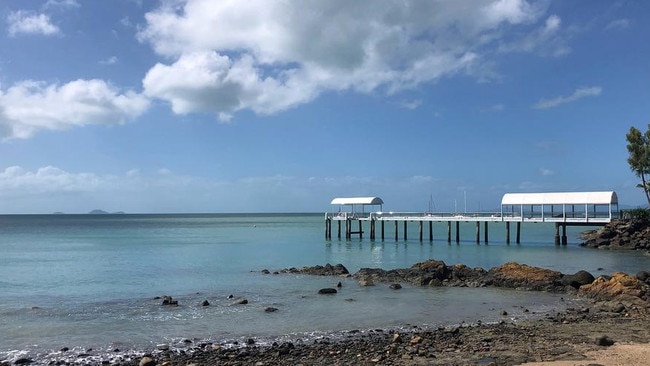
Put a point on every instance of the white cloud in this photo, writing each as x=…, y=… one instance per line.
x=546, y=40
x=61, y=4
x=272, y=55
x=546, y=172
x=29, y=106
x=109, y=61
x=618, y=24
x=30, y=23
x=578, y=94
x=410, y=104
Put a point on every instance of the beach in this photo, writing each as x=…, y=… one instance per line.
x=591, y=335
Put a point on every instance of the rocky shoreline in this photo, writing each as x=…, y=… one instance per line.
x=616, y=312
x=629, y=234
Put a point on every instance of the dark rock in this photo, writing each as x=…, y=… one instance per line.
x=205, y=303
x=503, y=313
x=578, y=279
x=270, y=309
x=339, y=285
x=168, y=301
x=395, y=286
x=326, y=270
x=325, y=291
x=266, y=271
x=642, y=276
x=23, y=361
x=64, y=349
x=241, y=301
x=250, y=341
x=604, y=341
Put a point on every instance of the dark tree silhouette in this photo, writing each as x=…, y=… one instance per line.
x=638, y=145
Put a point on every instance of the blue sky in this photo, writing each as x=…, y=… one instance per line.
x=273, y=106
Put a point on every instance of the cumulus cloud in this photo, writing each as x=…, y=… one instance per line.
x=578, y=94
x=30, y=23
x=272, y=55
x=30, y=106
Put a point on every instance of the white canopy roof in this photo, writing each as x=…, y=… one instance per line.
x=560, y=198
x=357, y=201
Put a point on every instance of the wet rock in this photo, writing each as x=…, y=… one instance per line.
x=326, y=270
x=395, y=286
x=241, y=301
x=205, y=303
x=578, y=279
x=23, y=361
x=367, y=281
x=643, y=276
x=270, y=309
x=325, y=291
x=339, y=285
x=168, y=301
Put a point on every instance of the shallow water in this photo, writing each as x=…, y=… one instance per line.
x=89, y=281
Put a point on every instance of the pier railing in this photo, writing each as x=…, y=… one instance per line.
x=596, y=217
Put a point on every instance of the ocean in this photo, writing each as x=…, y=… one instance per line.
x=89, y=283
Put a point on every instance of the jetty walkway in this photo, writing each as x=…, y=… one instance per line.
x=562, y=209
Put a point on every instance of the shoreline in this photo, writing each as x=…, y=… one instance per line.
x=613, y=310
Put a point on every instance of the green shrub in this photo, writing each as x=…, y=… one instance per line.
x=637, y=213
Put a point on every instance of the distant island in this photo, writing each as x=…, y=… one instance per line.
x=102, y=212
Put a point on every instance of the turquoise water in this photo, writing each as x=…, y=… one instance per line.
x=89, y=281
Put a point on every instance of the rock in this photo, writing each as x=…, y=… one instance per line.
x=395, y=286
x=604, y=341
x=250, y=341
x=339, y=285
x=23, y=361
x=515, y=275
x=205, y=303
x=326, y=270
x=578, y=279
x=147, y=361
x=642, y=276
x=366, y=282
x=325, y=291
x=266, y=271
x=503, y=313
x=241, y=301
x=617, y=286
x=270, y=309
x=168, y=301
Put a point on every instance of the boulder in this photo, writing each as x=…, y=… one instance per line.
x=523, y=276
x=366, y=281
x=326, y=270
x=205, y=303
x=618, y=286
x=241, y=301
x=270, y=309
x=578, y=279
x=395, y=286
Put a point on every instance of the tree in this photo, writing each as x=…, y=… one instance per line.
x=638, y=145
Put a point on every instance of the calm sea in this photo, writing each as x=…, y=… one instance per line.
x=89, y=281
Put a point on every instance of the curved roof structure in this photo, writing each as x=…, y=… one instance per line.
x=560, y=198
x=357, y=201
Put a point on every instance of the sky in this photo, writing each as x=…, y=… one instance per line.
x=206, y=106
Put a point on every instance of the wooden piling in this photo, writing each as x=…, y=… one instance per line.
x=382, y=230
x=449, y=232
x=396, y=231
x=557, y=233
x=518, y=232
x=338, y=223
x=420, y=229
x=360, y=230
x=405, y=231
x=486, y=232
x=478, y=232
x=430, y=230
x=564, y=239
x=457, y=232
x=507, y=232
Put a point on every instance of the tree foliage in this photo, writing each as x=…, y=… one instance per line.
x=638, y=146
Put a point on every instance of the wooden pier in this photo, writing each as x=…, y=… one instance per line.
x=560, y=209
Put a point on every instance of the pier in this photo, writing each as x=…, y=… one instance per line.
x=561, y=209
